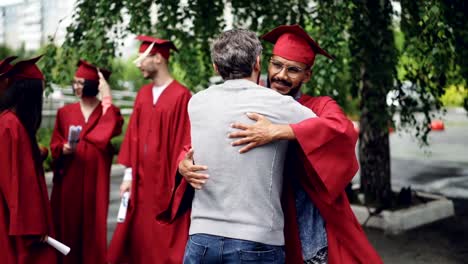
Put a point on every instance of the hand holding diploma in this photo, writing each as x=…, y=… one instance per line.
x=67, y=149
x=123, y=207
x=64, y=249
x=73, y=137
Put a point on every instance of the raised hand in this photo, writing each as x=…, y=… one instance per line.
x=104, y=86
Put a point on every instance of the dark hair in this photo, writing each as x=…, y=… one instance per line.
x=24, y=97
x=235, y=52
x=90, y=88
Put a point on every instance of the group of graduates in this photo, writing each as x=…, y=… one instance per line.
x=156, y=142
x=77, y=212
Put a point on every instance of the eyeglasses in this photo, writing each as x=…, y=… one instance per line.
x=292, y=71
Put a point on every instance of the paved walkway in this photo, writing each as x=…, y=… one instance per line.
x=444, y=242
x=445, y=171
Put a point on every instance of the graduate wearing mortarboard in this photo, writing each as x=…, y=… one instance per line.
x=159, y=128
x=25, y=215
x=80, y=195
x=321, y=164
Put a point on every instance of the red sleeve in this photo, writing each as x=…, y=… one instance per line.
x=130, y=138
x=182, y=187
x=183, y=153
x=57, y=141
x=108, y=126
x=181, y=199
x=58, y=138
x=328, y=143
x=183, y=140
x=183, y=145
x=20, y=186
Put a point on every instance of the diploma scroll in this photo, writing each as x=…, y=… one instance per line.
x=62, y=248
x=73, y=136
x=123, y=207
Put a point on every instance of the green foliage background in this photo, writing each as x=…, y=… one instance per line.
x=427, y=39
x=374, y=53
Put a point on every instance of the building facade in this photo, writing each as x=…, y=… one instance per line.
x=29, y=23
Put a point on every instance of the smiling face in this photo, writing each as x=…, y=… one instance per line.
x=78, y=84
x=286, y=76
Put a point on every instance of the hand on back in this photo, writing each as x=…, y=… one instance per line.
x=190, y=171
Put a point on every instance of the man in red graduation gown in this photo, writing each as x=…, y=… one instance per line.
x=80, y=195
x=158, y=130
x=25, y=216
x=324, y=160
x=321, y=162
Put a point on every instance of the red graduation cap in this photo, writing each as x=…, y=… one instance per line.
x=160, y=46
x=5, y=64
x=293, y=43
x=88, y=71
x=25, y=69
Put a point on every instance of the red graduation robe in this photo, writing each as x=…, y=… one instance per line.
x=153, y=141
x=25, y=214
x=323, y=160
x=80, y=195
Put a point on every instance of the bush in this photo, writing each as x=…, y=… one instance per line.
x=126, y=76
x=454, y=96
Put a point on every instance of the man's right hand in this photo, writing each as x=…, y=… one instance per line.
x=190, y=171
x=126, y=186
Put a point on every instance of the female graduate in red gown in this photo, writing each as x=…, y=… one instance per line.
x=80, y=195
x=25, y=216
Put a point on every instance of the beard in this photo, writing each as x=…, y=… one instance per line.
x=149, y=73
x=293, y=90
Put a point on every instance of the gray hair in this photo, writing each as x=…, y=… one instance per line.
x=234, y=53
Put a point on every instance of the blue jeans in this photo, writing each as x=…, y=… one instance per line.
x=210, y=249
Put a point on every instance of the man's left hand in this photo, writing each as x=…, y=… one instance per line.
x=191, y=173
x=260, y=133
